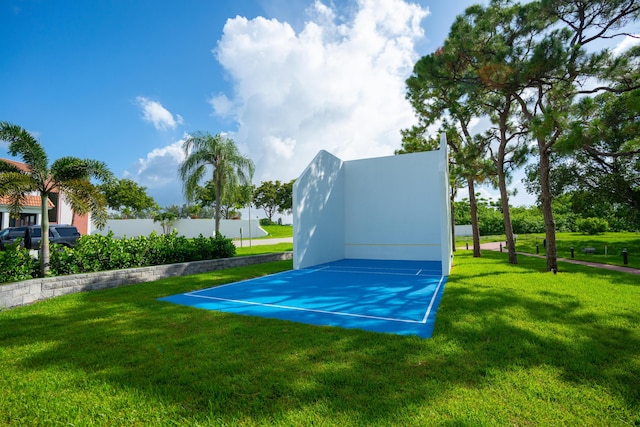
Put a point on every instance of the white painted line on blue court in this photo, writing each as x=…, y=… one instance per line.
x=333, y=270
x=338, y=313
x=433, y=300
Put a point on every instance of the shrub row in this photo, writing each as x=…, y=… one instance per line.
x=17, y=264
x=102, y=253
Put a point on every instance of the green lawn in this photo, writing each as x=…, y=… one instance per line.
x=512, y=346
x=277, y=231
x=608, y=246
x=263, y=249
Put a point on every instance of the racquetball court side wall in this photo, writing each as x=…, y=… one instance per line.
x=387, y=208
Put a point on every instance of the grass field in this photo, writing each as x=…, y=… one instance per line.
x=277, y=231
x=608, y=246
x=512, y=346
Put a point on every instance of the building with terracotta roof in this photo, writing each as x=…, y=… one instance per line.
x=59, y=210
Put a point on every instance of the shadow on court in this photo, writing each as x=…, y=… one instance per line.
x=388, y=296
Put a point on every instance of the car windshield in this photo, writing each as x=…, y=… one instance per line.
x=4, y=233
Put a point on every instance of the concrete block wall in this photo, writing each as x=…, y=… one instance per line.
x=29, y=291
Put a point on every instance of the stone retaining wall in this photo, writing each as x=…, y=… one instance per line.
x=26, y=292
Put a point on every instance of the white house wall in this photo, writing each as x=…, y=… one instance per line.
x=65, y=213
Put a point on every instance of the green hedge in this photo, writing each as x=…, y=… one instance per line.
x=17, y=264
x=102, y=253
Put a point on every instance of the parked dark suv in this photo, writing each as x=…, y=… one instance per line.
x=58, y=233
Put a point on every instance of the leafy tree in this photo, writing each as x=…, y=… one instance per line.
x=561, y=61
x=230, y=168
x=188, y=210
x=528, y=63
x=68, y=175
x=267, y=197
x=233, y=198
x=602, y=151
x=285, y=197
x=127, y=197
x=592, y=225
x=166, y=220
x=448, y=83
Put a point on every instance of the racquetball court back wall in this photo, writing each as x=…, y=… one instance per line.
x=391, y=208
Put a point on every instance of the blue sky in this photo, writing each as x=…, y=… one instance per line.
x=124, y=81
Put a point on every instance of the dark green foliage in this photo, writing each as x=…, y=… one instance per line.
x=128, y=197
x=592, y=225
x=17, y=264
x=101, y=253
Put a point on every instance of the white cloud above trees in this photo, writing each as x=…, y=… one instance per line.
x=338, y=84
x=154, y=112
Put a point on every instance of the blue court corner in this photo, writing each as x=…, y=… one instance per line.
x=388, y=296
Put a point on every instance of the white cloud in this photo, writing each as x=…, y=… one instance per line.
x=155, y=113
x=159, y=167
x=222, y=106
x=158, y=172
x=626, y=43
x=338, y=84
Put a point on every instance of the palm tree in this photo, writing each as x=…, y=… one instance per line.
x=230, y=168
x=68, y=175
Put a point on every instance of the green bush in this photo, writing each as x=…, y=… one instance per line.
x=101, y=253
x=17, y=264
x=265, y=221
x=592, y=225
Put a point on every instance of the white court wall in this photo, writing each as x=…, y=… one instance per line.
x=185, y=227
x=391, y=211
x=394, y=207
x=318, y=216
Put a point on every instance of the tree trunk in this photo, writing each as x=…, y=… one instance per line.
x=506, y=212
x=475, y=230
x=44, y=239
x=452, y=197
x=218, y=202
x=502, y=184
x=547, y=210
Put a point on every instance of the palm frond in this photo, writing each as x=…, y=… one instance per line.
x=85, y=198
x=22, y=144
x=9, y=167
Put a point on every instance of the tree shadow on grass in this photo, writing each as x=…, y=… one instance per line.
x=196, y=366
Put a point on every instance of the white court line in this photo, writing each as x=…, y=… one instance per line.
x=327, y=269
x=381, y=272
x=339, y=313
x=433, y=300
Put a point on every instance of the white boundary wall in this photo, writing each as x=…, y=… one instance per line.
x=394, y=207
x=185, y=227
x=464, y=230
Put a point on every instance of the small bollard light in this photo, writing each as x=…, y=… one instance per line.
x=467, y=245
x=537, y=248
x=572, y=252
x=500, y=246
x=625, y=256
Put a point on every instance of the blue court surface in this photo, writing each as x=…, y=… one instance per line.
x=398, y=297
